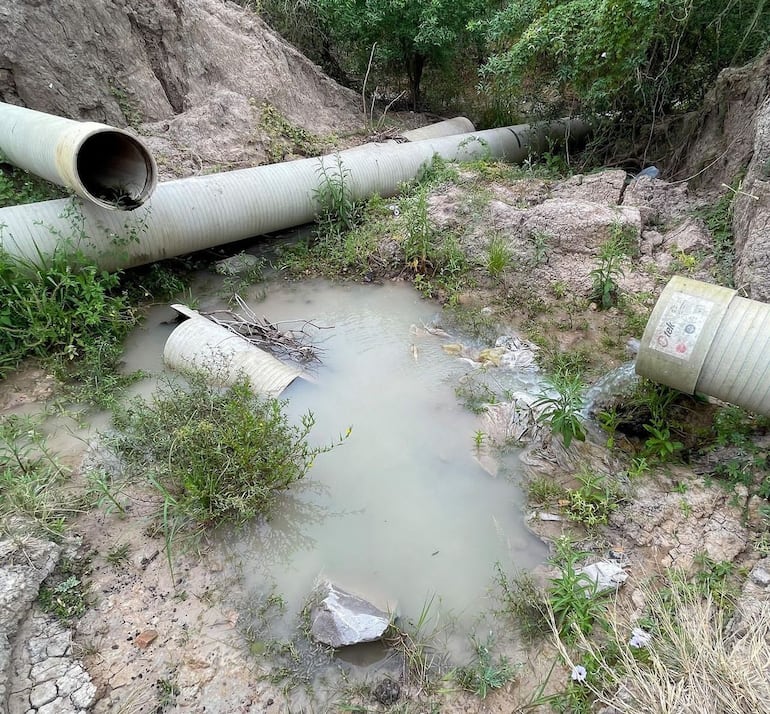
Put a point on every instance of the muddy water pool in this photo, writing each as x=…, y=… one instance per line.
x=402, y=513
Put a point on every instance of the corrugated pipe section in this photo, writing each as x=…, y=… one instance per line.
x=201, y=345
x=195, y=213
x=706, y=338
x=109, y=167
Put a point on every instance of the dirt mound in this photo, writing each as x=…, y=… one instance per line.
x=146, y=63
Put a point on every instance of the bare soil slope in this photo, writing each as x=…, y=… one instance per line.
x=194, y=72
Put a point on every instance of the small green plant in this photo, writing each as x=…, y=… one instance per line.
x=540, y=243
x=484, y=673
x=31, y=481
x=498, y=257
x=65, y=593
x=660, y=445
x=563, y=412
x=127, y=104
x=605, y=289
x=62, y=309
x=719, y=220
x=523, y=601
x=212, y=456
x=478, y=439
x=18, y=187
x=337, y=212
x=284, y=138
x=118, y=554
x=594, y=501
x=545, y=491
x=572, y=596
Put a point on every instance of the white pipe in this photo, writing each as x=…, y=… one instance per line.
x=706, y=338
x=196, y=213
x=108, y=166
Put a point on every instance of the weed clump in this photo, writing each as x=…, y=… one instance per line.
x=214, y=456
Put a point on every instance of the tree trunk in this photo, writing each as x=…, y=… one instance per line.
x=415, y=69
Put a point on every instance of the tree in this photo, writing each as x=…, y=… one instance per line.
x=630, y=60
x=410, y=35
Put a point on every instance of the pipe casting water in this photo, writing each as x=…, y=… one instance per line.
x=706, y=338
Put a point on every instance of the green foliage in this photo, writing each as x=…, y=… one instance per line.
x=631, y=60
x=562, y=412
x=65, y=593
x=337, y=212
x=284, y=139
x=66, y=307
x=719, y=220
x=498, y=256
x=604, y=288
x=213, y=456
x=31, y=480
x=408, y=35
x=523, y=601
x=571, y=595
x=594, y=501
x=484, y=674
x=17, y=187
x=127, y=104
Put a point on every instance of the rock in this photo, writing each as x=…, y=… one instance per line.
x=25, y=563
x=236, y=264
x=126, y=62
x=145, y=639
x=42, y=694
x=580, y=226
x=658, y=202
x=342, y=619
x=690, y=237
x=651, y=240
x=549, y=517
x=751, y=216
x=513, y=422
x=387, y=692
x=602, y=577
x=760, y=576
x=605, y=187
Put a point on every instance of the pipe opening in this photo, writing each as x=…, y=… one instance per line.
x=116, y=170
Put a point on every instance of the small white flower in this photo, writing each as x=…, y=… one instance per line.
x=394, y=210
x=603, y=55
x=579, y=673
x=639, y=637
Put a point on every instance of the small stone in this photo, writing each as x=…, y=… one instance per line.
x=549, y=517
x=387, y=692
x=760, y=576
x=145, y=639
x=42, y=694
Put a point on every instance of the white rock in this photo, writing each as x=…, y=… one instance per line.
x=602, y=577
x=342, y=619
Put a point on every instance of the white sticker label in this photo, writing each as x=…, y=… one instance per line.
x=681, y=324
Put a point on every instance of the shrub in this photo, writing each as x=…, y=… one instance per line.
x=213, y=455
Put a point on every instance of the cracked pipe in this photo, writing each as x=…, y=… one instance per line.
x=109, y=167
x=706, y=338
x=201, y=212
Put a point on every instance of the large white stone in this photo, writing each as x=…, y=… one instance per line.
x=342, y=618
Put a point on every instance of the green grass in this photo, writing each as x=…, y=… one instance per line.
x=33, y=498
x=212, y=456
x=18, y=186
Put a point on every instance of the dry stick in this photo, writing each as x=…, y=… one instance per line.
x=363, y=89
x=263, y=333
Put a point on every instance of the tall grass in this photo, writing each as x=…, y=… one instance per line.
x=693, y=663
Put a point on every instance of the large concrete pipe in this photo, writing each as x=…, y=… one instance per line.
x=195, y=213
x=107, y=166
x=706, y=338
x=447, y=127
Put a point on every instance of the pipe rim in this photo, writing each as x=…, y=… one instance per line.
x=128, y=158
